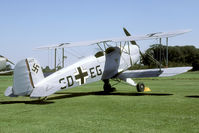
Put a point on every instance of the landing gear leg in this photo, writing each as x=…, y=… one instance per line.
x=107, y=86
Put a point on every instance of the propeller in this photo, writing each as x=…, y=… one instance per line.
x=142, y=55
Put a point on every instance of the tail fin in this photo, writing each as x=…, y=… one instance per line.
x=27, y=74
x=35, y=71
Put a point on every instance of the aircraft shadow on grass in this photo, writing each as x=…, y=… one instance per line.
x=63, y=95
x=193, y=96
x=102, y=93
x=38, y=102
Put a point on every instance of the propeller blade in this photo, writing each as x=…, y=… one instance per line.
x=128, y=34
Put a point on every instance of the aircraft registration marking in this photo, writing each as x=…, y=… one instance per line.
x=80, y=76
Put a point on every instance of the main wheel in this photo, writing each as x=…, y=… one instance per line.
x=108, y=88
x=140, y=87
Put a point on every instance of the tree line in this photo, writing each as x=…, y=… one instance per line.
x=177, y=56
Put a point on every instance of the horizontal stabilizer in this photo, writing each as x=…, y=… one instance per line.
x=9, y=92
x=164, y=72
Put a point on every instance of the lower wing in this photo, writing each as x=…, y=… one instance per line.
x=6, y=72
x=164, y=72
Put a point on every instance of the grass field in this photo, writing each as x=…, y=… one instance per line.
x=171, y=107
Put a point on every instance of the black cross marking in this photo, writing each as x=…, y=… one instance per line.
x=81, y=76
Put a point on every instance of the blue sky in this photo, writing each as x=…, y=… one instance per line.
x=27, y=24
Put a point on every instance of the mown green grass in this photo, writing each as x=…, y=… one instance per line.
x=172, y=106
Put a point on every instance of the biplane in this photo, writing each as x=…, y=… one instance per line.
x=112, y=61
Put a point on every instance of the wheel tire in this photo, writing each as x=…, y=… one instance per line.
x=108, y=88
x=140, y=87
x=113, y=89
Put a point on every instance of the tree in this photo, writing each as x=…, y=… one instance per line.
x=177, y=56
x=47, y=69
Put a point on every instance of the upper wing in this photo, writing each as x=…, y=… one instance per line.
x=164, y=72
x=121, y=39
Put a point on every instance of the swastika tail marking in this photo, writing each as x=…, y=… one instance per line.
x=35, y=68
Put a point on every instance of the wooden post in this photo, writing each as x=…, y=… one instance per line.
x=167, y=56
x=55, y=58
x=62, y=57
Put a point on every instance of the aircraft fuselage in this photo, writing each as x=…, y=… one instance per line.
x=87, y=70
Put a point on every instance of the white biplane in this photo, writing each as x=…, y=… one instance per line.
x=3, y=63
x=114, y=59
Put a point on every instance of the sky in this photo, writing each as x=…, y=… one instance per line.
x=28, y=24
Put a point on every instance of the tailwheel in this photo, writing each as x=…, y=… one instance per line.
x=107, y=86
x=140, y=87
